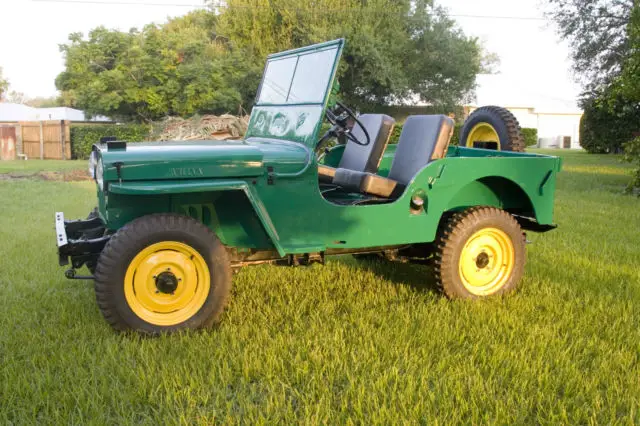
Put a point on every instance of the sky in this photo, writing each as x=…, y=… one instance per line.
x=534, y=64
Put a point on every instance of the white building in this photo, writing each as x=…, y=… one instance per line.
x=17, y=112
x=557, y=119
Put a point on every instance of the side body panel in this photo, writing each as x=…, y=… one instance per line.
x=288, y=213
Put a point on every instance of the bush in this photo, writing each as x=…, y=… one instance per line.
x=530, y=136
x=455, y=138
x=632, y=155
x=84, y=136
x=604, y=128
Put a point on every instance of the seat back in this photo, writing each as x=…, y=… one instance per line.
x=367, y=158
x=424, y=138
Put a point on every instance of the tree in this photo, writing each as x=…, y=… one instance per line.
x=44, y=102
x=15, y=97
x=604, y=44
x=608, y=123
x=397, y=50
x=4, y=85
x=179, y=68
x=626, y=90
x=598, y=36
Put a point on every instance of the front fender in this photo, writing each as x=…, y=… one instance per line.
x=157, y=189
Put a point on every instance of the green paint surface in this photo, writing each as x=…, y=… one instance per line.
x=263, y=192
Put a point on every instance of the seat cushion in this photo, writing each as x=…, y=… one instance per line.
x=366, y=183
x=380, y=186
x=350, y=180
x=326, y=173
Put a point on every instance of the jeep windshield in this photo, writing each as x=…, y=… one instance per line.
x=299, y=78
x=293, y=93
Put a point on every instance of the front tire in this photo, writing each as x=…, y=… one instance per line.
x=480, y=252
x=162, y=273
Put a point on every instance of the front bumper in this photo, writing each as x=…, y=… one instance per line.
x=80, y=241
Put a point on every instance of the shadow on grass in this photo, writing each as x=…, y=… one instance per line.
x=418, y=277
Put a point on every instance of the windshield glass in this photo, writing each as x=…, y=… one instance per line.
x=298, y=79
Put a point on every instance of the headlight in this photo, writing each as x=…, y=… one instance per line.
x=92, y=164
x=99, y=172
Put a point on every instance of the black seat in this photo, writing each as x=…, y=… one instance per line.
x=424, y=138
x=363, y=158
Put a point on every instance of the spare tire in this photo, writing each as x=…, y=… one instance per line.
x=492, y=127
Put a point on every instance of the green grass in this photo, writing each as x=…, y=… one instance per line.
x=32, y=166
x=340, y=343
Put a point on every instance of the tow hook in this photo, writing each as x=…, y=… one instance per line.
x=71, y=274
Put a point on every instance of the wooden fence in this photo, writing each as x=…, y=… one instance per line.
x=7, y=142
x=46, y=139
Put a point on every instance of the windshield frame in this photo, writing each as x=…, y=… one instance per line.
x=303, y=51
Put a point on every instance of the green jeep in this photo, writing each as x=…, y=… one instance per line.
x=175, y=219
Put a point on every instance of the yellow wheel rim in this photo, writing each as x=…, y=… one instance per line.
x=167, y=283
x=483, y=132
x=486, y=261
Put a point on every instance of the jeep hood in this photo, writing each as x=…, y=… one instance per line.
x=198, y=159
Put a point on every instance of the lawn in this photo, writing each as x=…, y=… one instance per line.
x=21, y=167
x=340, y=343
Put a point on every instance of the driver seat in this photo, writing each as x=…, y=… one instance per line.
x=361, y=158
x=424, y=138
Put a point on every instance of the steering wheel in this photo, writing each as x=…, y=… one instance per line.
x=340, y=125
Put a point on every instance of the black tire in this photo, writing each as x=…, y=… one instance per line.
x=502, y=120
x=139, y=234
x=453, y=236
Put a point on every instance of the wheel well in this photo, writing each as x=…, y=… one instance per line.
x=495, y=191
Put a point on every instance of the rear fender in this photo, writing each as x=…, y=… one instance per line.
x=524, y=188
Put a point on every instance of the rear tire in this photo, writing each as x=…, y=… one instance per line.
x=494, y=125
x=162, y=273
x=480, y=252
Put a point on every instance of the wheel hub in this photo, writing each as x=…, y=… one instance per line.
x=486, y=261
x=482, y=261
x=166, y=282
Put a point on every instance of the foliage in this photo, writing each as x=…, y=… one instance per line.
x=4, y=85
x=596, y=32
x=360, y=343
x=626, y=91
x=530, y=136
x=612, y=117
x=84, y=136
x=605, y=127
x=455, y=138
x=396, y=49
x=45, y=102
x=632, y=155
x=179, y=68
x=15, y=97
x=605, y=36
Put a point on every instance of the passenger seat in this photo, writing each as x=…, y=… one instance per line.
x=363, y=158
x=424, y=138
